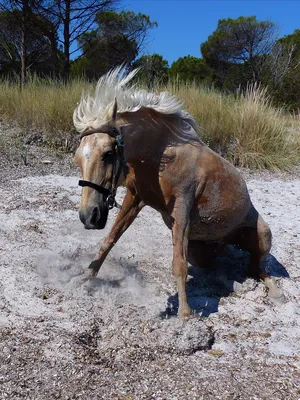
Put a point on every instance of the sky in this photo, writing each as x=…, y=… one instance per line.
x=184, y=24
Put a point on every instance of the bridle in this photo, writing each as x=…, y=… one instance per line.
x=118, y=165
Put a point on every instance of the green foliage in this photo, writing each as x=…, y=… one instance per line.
x=38, y=47
x=190, y=69
x=243, y=41
x=117, y=39
x=287, y=91
x=288, y=94
x=292, y=39
x=154, y=69
x=239, y=51
x=133, y=26
x=102, y=54
x=239, y=40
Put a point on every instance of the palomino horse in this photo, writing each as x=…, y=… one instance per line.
x=148, y=140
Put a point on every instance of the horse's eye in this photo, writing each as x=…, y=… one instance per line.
x=107, y=156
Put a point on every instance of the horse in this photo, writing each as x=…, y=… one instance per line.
x=149, y=142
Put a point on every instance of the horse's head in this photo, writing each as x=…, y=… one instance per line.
x=98, y=159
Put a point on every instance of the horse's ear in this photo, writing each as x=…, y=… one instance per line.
x=115, y=111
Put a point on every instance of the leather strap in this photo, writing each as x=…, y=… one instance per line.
x=92, y=185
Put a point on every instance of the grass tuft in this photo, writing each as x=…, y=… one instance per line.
x=45, y=105
x=245, y=128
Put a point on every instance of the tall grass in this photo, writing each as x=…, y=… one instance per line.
x=245, y=128
x=45, y=105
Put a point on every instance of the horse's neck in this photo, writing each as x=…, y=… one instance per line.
x=144, y=137
x=148, y=134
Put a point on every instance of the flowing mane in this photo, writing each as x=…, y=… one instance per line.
x=94, y=111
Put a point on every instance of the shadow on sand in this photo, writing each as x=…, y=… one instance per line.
x=207, y=286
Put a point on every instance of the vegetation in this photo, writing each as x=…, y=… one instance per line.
x=245, y=128
x=285, y=71
x=68, y=31
x=60, y=22
x=243, y=42
x=153, y=69
x=191, y=69
x=243, y=50
x=117, y=38
x=42, y=105
x=84, y=39
x=232, y=91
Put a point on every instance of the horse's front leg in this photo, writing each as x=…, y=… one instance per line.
x=131, y=206
x=180, y=233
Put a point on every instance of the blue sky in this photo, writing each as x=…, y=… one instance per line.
x=184, y=24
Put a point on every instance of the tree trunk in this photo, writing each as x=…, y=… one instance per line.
x=50, y=33
x=54, y=57
x=25, y=8
x=66, y=22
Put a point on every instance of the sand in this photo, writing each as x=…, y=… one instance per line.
x=118, y=337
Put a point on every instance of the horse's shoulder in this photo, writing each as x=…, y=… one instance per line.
x=131, y=181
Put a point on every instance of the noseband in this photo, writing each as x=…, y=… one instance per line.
x=119, y=164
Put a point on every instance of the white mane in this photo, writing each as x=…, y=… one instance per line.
x=94, y=111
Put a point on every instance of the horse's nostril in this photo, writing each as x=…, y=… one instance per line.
x=95, y=216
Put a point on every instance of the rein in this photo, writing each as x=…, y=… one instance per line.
x=119, y=164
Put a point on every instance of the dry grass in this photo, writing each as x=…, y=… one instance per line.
x=43, y=105
x=245, y=128
x=216, y=352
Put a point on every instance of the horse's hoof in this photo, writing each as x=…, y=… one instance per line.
x=184, y=313
x=276, y=295
x=89, y=274
x=278, y=300
x=274, y=292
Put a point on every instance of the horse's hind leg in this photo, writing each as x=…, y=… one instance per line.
x=258, y=241
x=180, y=234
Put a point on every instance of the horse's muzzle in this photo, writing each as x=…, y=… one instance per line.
x=94, y=218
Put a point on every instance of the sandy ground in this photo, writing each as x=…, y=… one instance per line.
x=118, y=337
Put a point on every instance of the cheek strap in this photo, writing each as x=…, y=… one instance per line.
x=92, y=185
x=119, y=165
